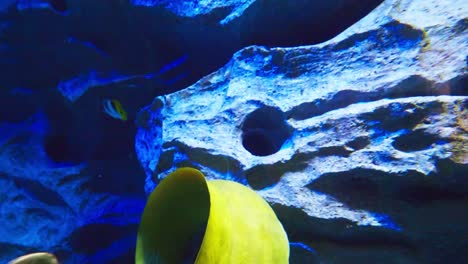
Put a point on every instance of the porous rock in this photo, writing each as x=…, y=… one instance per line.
x=62, y=208
x=357, y=142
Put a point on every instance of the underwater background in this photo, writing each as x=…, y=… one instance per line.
x=349, y=117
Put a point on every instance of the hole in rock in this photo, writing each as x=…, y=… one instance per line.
x=264, y=131
x=415, y=141
x=60, y=149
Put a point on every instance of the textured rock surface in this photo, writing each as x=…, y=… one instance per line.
x=71, y=183
x=373, y=162
x=87, y=50
x=47, y=206
x=360, y=142
x=135, y=38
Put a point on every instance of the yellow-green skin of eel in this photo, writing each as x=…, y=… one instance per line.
x=240, y=227
x=35, y=258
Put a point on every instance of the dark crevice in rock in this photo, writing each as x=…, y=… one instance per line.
x=38, y=191
x=94, y=237
x=165, y=161
x=264, y=131
x=305, y=228
x=296, y=62
x=432, y=216
x=221, y=163
x=418, y=194
x=392, y=193
x=356, y=188
x=416, y=140
x=69, y=179
x=397, y=116
x=194, y=157
x=461, y=25
x=339, y=151
x=70, y=139
x=358, y=143
x=332, y=237
x=320, y=106
x=402, y=195
x=82, y=134
x=393, y=33
x=459, y=84
x=59, y=148
x=262, y=176
x=413, y=86
x=150, y=117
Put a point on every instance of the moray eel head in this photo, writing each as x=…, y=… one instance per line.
x=188, y=219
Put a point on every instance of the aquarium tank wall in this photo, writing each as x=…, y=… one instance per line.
x=317, y=131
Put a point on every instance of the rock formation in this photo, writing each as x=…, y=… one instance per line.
x=358, y=142
x=355, y=130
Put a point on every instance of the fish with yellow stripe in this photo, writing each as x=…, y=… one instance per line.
x=114, y=109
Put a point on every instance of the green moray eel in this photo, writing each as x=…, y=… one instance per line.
x=35, y=258
x=188, y=219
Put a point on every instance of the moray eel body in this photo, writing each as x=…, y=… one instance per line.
x=188, y=219
x=35, y=258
